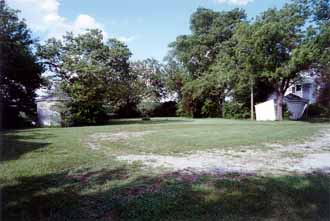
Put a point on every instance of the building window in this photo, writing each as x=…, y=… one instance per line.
x=293, y=90
x=298, y=88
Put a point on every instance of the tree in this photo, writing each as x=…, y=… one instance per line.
x=175, y=77
x=320, y=40
x=321, y=10
x=20, y=71
x=202, y=97
x=276, y=47
x=92, y=73
x=200, y=53
x=152, y=75
x=209, y=30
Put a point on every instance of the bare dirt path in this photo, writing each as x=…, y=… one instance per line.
x=277, y=159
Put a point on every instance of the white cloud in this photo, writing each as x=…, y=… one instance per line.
x=235, y=2
x=127, y=39
x=43, y=17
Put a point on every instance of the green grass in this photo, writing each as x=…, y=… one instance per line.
x=175, y=136
x=50, y=173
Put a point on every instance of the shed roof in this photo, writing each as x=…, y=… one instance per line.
x=294, y=98
x=49, y=98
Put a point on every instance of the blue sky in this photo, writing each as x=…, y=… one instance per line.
x=146, y=26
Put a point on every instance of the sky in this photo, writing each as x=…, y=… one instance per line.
x=146, y=26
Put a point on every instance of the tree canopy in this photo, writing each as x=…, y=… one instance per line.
x=201, y=53
x=226, y=55
x=20, y=71
x=94, y=74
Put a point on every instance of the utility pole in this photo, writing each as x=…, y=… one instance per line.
x=252, y=97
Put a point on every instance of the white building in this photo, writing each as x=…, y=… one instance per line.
x=297, y=99
x=300, y=95
x=306, y=88
x=48, y=111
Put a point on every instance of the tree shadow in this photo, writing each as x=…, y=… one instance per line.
x=151, y=121
x=118, y=195
x=318, y=120
x=14, y=146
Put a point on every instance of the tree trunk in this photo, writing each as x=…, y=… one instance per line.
x=252, y=99
x=279, y=106
x=223, y=107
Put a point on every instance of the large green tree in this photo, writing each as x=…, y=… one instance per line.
x=320, y=40
x=151, y=74
x=276, y=47
x=94, y=74
x=20, y=72
x=175, y=77
x=200, y=53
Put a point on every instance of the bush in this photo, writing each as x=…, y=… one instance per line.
x=317, y=111
x=166, y=109
x=235, y=110
x=11, y=117
x=146, y=108
x=286, y=113
x=155, y=109
x=211, y=109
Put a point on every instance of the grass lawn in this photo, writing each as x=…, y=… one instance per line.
x=52, y=173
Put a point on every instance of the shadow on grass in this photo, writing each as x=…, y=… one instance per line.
x=14, y=145
x=116, y=195
x=151, y=121
x=318, y=120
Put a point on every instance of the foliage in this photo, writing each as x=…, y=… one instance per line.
x=157, y=109
x=209, y=30
x=158, y=82
x=165, y=109
x=225, y=56
x=276, y=48
x=175, y=77
x=199, y=96
x=20, y=72
x=321, y=10
x=151, y=73
x=323, y=98
x=269, y=53
x=235, y=110
x=318, y=111
x=319, y=36
x=146, y=108
x=202, y=54
x=95, y=75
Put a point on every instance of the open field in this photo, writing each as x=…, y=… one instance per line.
x=82, y=173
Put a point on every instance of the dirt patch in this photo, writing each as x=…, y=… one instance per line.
x=94, y=140
x=311, y=155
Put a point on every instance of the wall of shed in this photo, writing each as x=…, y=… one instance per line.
x=266, y=111
x=296, y=109
x=47, y=115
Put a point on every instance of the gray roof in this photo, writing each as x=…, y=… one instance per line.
x=294, y=98
x=49, y=98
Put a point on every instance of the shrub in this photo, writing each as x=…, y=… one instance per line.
x=286, y=113
x=317, y=111
x=166, y=109
x=236, y=110
x=146, y=108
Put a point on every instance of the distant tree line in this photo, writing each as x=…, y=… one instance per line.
x=227, y=64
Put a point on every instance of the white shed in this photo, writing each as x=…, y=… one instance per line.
x=296, y=106
x=266, y=111
x=48, y=114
